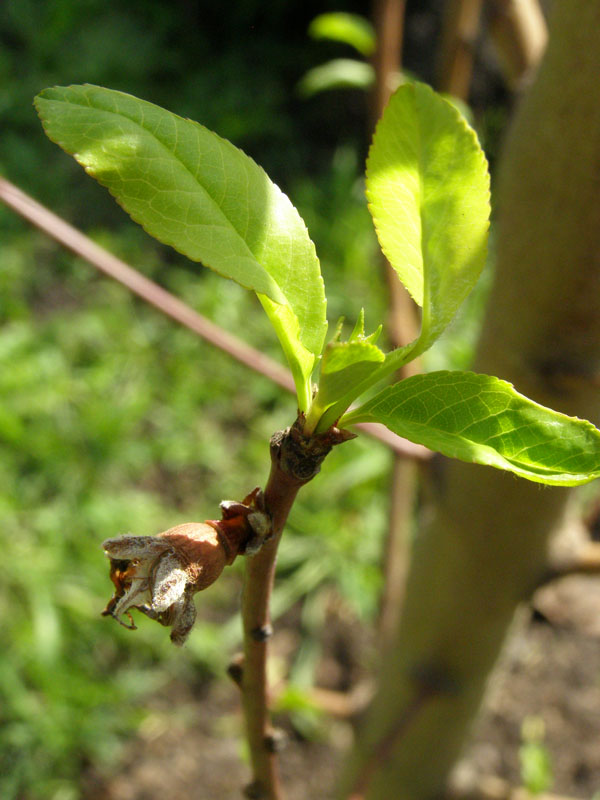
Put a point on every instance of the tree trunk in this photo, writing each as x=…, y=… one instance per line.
x=483, y=547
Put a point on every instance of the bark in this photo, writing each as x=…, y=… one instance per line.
x=483, y=548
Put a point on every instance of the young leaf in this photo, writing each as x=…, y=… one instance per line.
x=344, y=366
x=484, y=420
x=198, y=193
x=358, y=332
x=351, y=29
x=428, y=193
x=339, y=73
x=347, y=369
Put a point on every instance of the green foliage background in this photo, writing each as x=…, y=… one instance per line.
x=112, y=418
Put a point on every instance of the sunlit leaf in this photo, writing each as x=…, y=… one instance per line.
x=198, y=193
x=428, y=192
x=484, y=420
x=346, y=368
x=345, y=365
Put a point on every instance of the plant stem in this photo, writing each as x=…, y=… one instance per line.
x=139, y=284
x=388, y=16
x=295, y=460
x=280, y=494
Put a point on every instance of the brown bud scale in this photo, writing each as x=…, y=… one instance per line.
x=198, y=547
x=159, y=575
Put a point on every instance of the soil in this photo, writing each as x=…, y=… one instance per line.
x=550, y=670
x=190, y=748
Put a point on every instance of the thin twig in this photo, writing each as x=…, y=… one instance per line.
x=280, y=494
x=457, y=48
x=343, y=705
x=339, y=704
x=389, y=26
x=151, y=292
x=295, y=460
x=173, y=307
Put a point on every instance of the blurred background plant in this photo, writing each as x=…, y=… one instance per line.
x=113, y=419
x=341, y=73
x=534, y=758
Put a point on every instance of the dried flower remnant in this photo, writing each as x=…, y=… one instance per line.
x=159, y=575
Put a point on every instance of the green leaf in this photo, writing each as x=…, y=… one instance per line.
x=484, y=420
x=345, y=369
x=358, y=332
x=345, y=365
x=198, y=193
x=428, y=193
x=351, y=29
x=535, y=761
x=340, y=73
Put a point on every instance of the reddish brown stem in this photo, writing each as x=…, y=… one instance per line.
x=295, y=460
x=457, y=49
x=280, y=494
x=151, y=292
x=389, y=24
